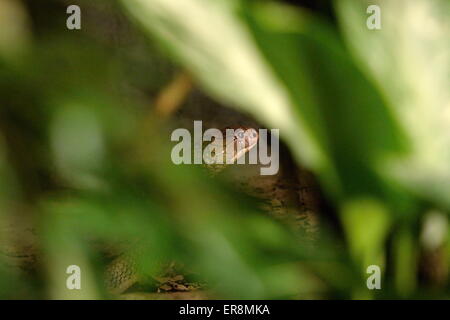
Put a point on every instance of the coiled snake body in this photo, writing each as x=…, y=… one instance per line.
x=283, y=197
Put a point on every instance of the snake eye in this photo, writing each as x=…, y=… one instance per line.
x=251, y=133
x=240, y=134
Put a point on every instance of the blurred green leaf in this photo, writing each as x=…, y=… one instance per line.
x=366, y=223
x=409, y=60
x=14, y=30
x=405, y=261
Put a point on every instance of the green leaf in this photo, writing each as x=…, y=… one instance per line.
x=409, y=60
x=366, y=223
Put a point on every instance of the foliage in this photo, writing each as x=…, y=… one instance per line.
x=83, y=155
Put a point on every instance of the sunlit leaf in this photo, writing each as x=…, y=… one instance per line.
x=409, y=59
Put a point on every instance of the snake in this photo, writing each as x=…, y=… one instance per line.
x=226, y=148
x=292, y=197
x=222, y=152
x=232, y=144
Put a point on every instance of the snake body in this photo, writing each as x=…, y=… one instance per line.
x=280, y=199
x=225, y=149
x=289, y=196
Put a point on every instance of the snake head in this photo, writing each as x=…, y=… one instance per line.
x=246, y=138
x=243, y=139
x=233, y=143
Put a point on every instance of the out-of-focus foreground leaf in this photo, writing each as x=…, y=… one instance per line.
x=409, y=60
x=14, y=29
